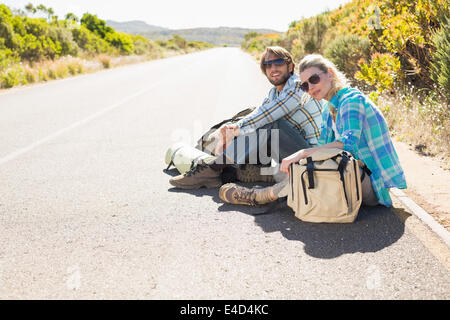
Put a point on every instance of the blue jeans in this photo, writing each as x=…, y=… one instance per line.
x=275, y=140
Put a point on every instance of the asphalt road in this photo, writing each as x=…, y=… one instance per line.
x=86, y=211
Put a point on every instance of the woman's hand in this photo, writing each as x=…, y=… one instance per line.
x=304, y=153
x=294, y=158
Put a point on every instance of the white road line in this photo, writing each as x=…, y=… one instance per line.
x=77, y=124
x=96, y=115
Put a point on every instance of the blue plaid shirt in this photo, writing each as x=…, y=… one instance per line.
x=365, y=135
x=291, y=103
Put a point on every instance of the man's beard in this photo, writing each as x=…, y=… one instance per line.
x=280, y=81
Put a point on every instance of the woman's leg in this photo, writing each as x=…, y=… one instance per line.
x=235, y=194
x=369, y=198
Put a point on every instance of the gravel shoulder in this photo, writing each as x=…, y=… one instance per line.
x=428, y=182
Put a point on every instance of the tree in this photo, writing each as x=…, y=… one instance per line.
x=30, y=8
x=47, y=11
x=96, y=25
x=71, y=16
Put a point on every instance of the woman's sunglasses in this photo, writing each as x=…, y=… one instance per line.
x=314, y=79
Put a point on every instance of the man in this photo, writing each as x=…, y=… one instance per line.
x=285, y=109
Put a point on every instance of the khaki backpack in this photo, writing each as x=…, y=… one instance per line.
x=326, y=187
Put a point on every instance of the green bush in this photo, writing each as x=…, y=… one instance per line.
x=89, y=41
x=161, y=43
x=440, y=65
x=121, y=41
x=11, y=77
x=7, y=34
x=142, y=45
x=310, y=34
x=199, y=45
x=75, y=68
x=35, y=41
x=172, y=46
x=178, y=41
x=346, y=51
x=30, y=76
x=96, y=25
x=381, y=72
x=42, y=76
x=64, y=37
x=7, y=57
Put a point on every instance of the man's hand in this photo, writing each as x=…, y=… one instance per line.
x=226, y=134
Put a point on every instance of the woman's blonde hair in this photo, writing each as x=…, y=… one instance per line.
x=322, y=63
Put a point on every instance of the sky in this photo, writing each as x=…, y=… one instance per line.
x=181, y=14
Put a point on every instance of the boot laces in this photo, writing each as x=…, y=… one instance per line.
x=245, y=196
x=195, y=169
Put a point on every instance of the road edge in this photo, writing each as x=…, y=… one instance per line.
x=423, y=215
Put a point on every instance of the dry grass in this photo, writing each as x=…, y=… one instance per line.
x=421, y=122
x=29, y=73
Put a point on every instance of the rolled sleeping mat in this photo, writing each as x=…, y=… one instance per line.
x=185, y=157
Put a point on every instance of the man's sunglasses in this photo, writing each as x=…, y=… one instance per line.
x=277, y=62
x=314, y=79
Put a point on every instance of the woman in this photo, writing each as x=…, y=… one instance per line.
x=351, y=122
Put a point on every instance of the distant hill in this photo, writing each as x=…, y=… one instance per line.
x=217, y=36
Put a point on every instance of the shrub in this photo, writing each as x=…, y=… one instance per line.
x=346, y=50
x=42, y=76
x=142, y=45
x=121, y=41
x=75, y=67
x=30, y=75
x=89, y=41
x=258, y=42
x=7, y=57
x=178, y=41
x=308, y=35
x=65, y=38
x=380, y=72
x=11, y=77
x=161, y=43
x=440, y=66
x=105, y=61
x=51, y=73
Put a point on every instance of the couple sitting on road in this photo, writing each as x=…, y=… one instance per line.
x=337, y=116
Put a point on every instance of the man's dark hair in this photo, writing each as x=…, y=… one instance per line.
x=279, y=52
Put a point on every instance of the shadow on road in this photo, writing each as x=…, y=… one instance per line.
x=213, y=193
x=374, y=229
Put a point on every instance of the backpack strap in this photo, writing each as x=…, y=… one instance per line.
x=342, y=165
x=310, y=169
x=291, y=176
x=366, y=170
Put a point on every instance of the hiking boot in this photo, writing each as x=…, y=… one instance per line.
x=234, y=194
x=200, y=176
x=252, y=173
